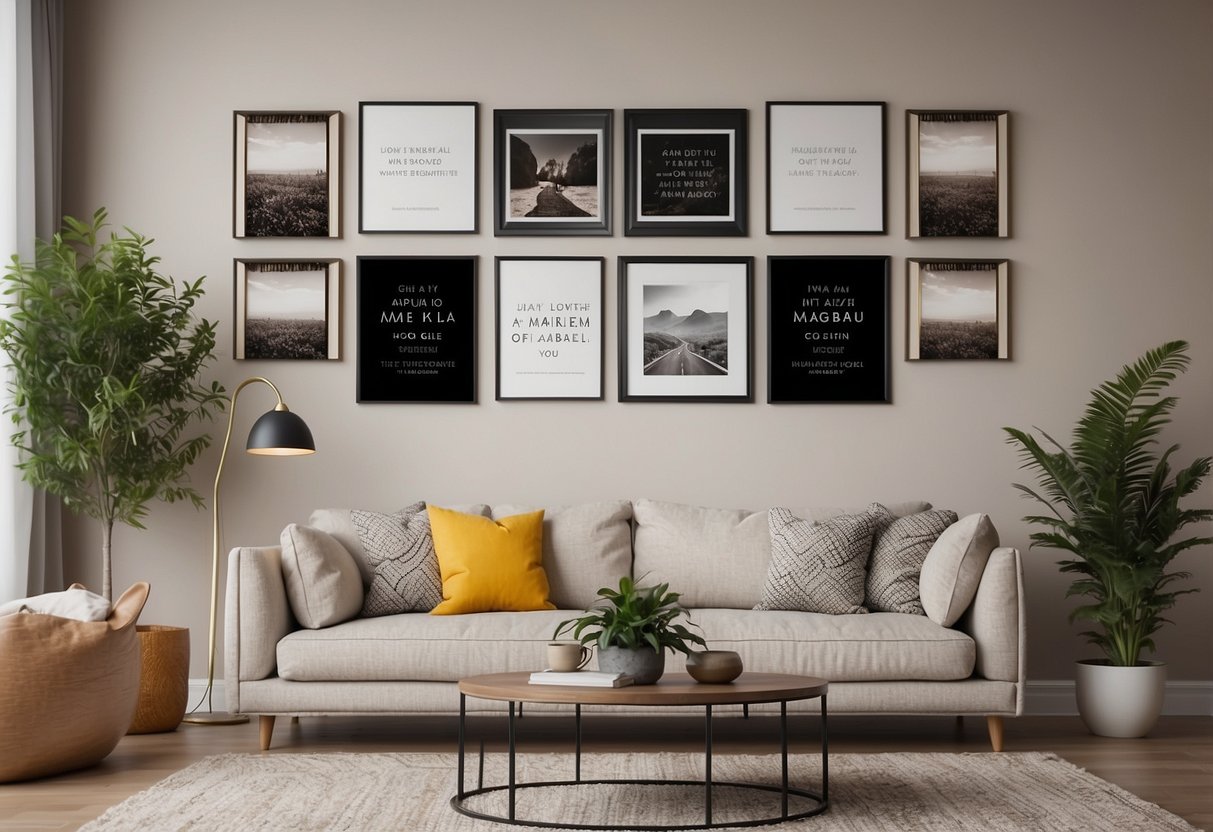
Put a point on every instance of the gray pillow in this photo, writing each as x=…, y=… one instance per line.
x=899, y=546
x=322, y=581
x=954, y=566
x=817, y=567
x=399, y=549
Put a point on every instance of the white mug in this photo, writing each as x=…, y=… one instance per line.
x=565, y=656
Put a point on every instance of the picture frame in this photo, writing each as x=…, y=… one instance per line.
x=552, y=172
x=418, y=167
x=958, y=309
x=826, y=167
x=686, y=329
x=685, y=173
x=286, y=173
x=828, y=329
x=549, y=331
x=958, y=173
x=287, y=309
x=417, y=329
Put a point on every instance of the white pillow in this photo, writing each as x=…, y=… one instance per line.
x=323, y=583
x=954, y=566
x=77, y=603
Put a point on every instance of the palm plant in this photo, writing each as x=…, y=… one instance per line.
x=1115, y=504
x=634, y=617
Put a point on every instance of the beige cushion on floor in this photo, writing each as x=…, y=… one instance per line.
x=75, y=602
x=322, y=580
x=67, y=689
x=953, y=568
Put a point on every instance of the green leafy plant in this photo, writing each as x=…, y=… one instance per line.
x=105, y=356
x=1115, y=504
x=634, y=617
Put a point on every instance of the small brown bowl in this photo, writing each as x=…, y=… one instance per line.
x=714, y=667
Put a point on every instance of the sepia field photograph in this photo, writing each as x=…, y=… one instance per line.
x=284, y=186
x=554, y=176
x=284, y=310
x=959, y=184
x=686, y=329
x=961, y=310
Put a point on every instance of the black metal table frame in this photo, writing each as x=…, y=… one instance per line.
x=821, y=801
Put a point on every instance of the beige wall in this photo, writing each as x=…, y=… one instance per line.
x=1112, y=142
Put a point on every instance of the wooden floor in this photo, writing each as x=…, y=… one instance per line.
x=1173, y=767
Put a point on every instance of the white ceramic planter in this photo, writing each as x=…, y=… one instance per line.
x=1119, y=701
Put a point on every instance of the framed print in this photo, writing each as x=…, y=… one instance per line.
x=825, y=167
x=417, y=169
x=552, y=172
x=417, y=329
x=828, y=329
x=956, y=161
x=287, y=174
x=958, y=309
x=288, y=309
x=549, y=327
x=684, y=329
x=685, y=172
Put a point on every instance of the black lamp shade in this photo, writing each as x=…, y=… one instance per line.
x=280, y=432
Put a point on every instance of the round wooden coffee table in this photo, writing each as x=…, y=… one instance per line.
x=748, y=689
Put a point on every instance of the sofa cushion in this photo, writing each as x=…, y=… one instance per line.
x=715, y=557
x=585, y=547
x=899, y=546
x=817, y=567
x=489, y=565
x=322, y=580
x=954, y=567
x=400, y=548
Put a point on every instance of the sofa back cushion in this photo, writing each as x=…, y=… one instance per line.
x=716, y=557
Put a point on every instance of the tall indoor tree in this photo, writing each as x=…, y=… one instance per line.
x=106, y=356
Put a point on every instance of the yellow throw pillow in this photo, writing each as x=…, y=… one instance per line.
x=489, y=565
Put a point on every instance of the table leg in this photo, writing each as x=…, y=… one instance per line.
x=783, y=752
x=577, y=755
x=707, y=774
x=825, y=753
x=511, y=760
x=462, y=716
x=480, y=773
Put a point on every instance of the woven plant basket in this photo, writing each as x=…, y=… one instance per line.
x=164, y=679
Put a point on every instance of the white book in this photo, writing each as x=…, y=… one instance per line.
x=581, y=678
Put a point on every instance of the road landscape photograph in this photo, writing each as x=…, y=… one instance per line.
x=958, y=175
x=959, y=312
x=287, y=184
x=553, y=175
x=686, y=329
x=285, y=311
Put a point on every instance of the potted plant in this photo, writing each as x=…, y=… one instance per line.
x=105, y=356
x=1114, y=503
x=632, y=627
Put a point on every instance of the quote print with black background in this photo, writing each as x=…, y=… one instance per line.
x=685, y=174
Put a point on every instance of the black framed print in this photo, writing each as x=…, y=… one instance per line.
x=826, y=167
x=828, y=329
x=958, y=309
x=288, y=309
x=957, y=167
x=685, y=172
x=417, y=329
x=552, y=172
x=287, y=172
x=549, y=327
x=685, y=331
x=417, y=167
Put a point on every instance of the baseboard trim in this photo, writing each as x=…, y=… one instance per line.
x=1055, y=697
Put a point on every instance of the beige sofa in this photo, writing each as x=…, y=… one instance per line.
x=878, y=663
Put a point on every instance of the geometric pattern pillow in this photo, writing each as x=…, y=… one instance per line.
x=899, y=546
x=817, y=567
x=400, y=550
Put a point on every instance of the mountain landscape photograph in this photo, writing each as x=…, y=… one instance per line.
x=681, y=337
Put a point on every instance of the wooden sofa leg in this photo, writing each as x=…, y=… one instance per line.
x=266, y=732
x=994, y=724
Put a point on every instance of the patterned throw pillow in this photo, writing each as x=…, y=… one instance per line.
x=817, y=567
x=400, y=550
x=899, y=546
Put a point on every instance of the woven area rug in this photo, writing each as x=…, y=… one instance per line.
x=903, y=792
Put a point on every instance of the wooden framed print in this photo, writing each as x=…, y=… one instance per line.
x=957, y=166
x=685, y=172
x=685, y=331
x=287, y=174
x=288, y=309
x=417, y=329
x=828, y=329
x=549, y=327
x=417, y=167
x=552, y=172
x=826, y=167
x=958, y=309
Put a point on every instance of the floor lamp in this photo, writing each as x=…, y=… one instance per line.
x=277, y=433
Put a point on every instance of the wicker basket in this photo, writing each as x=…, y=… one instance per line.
x=164, y=679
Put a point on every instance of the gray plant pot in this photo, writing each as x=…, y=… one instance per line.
x=645, y=665
x=1120, y=701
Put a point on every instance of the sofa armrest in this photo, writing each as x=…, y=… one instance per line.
x=257, y=617
x=996, y=621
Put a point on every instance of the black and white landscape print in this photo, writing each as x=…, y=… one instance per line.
x=286, y=175
x=554, y=176
x=958, y=174
x=959, y=311
x=286, y=310
x=686, y=329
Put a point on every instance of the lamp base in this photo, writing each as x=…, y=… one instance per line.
x=215, y=718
